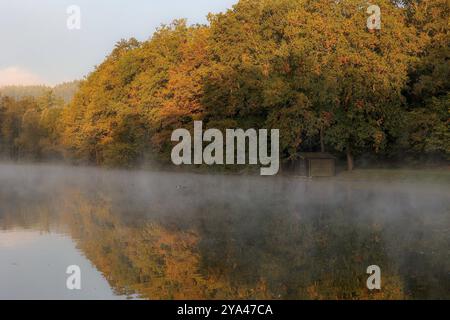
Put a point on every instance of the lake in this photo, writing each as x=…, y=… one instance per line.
x=162, y=235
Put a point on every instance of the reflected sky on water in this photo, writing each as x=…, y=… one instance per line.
x=33, y=265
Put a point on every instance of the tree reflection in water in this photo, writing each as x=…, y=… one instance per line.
x=177, y=236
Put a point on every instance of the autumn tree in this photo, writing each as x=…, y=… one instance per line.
x=363, y=71
x=309, y=68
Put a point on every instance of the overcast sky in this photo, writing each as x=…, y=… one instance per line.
x=37, y=47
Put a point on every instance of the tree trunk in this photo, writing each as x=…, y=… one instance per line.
x=322, y=145
x=349, y=158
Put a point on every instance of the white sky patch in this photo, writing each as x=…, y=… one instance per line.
x=18, y=76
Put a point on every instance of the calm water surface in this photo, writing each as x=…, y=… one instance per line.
x=186, y=236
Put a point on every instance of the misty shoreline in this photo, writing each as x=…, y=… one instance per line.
x=409, y=175
x=289, y=233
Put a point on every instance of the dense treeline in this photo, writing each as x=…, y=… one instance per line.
x=308, y=68
x=30, y=127
x=30, y=119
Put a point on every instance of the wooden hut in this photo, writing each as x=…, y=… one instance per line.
x=315, y=164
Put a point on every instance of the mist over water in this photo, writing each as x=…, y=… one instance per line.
x=162, y=235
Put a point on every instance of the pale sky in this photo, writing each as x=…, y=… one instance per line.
x=38, y=48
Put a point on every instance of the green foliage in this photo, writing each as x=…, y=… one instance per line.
x=428, y=128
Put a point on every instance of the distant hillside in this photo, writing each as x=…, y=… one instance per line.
x=64, y=90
